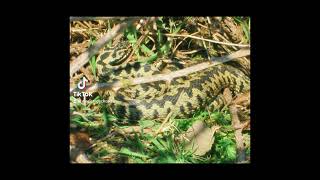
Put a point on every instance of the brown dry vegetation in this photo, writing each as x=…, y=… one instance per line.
x=102, y=138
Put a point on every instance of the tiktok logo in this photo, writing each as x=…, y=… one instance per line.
x=82, y=84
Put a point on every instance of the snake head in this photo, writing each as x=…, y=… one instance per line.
x=120, y=53
x=113, y=56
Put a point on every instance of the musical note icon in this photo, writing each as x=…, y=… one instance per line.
x=82, y=84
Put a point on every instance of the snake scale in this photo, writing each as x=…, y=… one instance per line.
x=182, y=96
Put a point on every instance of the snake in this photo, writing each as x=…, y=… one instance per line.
x=182, y=96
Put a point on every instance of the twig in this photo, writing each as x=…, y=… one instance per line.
x=238, y=134
x=169, y=76
x=209, y=21
x=242, y=98
x=237, y=54
x=175, y=48
x=209, y=40
x=84, y=57
x=189, y=52
x=165, y=121
x=222, y=37
x=236, y=124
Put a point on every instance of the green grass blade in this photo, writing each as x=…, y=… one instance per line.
x=128, y=152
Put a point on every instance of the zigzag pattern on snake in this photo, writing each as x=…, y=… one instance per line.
x=183, y=96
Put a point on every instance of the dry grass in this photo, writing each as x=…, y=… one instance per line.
x=176, y=36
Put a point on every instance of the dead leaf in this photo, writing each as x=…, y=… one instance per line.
x=199, y=138
x=78, y=156
x=80, y=140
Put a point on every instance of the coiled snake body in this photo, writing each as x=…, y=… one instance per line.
x=182, y=96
